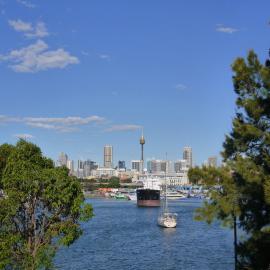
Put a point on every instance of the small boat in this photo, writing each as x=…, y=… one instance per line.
x=120, y=196
x=166, y=218
x=132, y=196
x=173, y=195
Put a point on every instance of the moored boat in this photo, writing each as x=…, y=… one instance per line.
x=166, y=218
x=148, y=197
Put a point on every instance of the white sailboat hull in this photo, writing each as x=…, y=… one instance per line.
x=167, y=220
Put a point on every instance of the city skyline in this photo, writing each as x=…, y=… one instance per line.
x=108, y=161
x=76, y=85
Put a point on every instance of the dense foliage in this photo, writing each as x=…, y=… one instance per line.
x=41, y=209
x=243, y=185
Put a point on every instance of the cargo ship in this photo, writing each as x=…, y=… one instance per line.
x=148, y=197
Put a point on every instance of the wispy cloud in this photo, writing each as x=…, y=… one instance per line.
x=226, y=29
x=40, y=31
x=24, y=136
x=20, y=26
x=26, y=3
x=123, y=128
x=180, y=86
x=104, y=57
x=31, y=31
x=37, y=57
x=61, y=124
x=85, y=53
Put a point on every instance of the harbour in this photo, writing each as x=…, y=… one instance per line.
x=123, y=236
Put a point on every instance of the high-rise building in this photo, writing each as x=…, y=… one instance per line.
x=157, y=166
x=121, y=164
x=180, y=166
x=187, y=155
x=136, y=165
x=80, y=165
x=62, y=159
x=88, y=166
x=212, y=161
x=108, y=156
x=70, y=166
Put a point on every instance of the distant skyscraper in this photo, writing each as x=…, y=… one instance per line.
x=70, y=166
x=187, y=155
x=157, y=166
x=62, y=159
x=212, y=161
x=80, y=165
x=136, y=165
x=121, y=164
x=180, y=166
x=88, y=166
x=108, y=156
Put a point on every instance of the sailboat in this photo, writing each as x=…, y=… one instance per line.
x=166, y=218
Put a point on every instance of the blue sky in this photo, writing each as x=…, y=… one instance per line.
x=76, y=75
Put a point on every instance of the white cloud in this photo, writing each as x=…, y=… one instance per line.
x=123, y=128
x=104, y=57
x=37, y=31
x=26, y=3
x=37, y=57
x=61, y=128
x=69, y=121
x=20, y=26
x=6, y=119
x=24, y=136
x=61, y=124
x=226, y=29
x=180, y=86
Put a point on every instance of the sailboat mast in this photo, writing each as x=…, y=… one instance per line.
x=166, y=203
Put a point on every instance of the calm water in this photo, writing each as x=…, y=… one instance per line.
x=122, y=236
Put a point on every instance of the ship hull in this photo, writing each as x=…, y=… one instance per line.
x=148, y=198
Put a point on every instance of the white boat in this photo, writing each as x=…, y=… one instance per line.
x=173, y=195
x=132, y=196
x=166, y=218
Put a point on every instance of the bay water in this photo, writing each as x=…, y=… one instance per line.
x=124, y=237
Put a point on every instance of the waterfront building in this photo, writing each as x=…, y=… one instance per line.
x=108, y=156
x=212, y=161
x=62, y=159
x=104, y=172
x=180, y=165
x=157, y=180
x=187, y=155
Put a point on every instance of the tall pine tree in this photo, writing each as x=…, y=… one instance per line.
x=244, y=184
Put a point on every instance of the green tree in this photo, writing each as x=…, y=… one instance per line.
x=5, y=150
x=244, y=189
x=41, y=209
